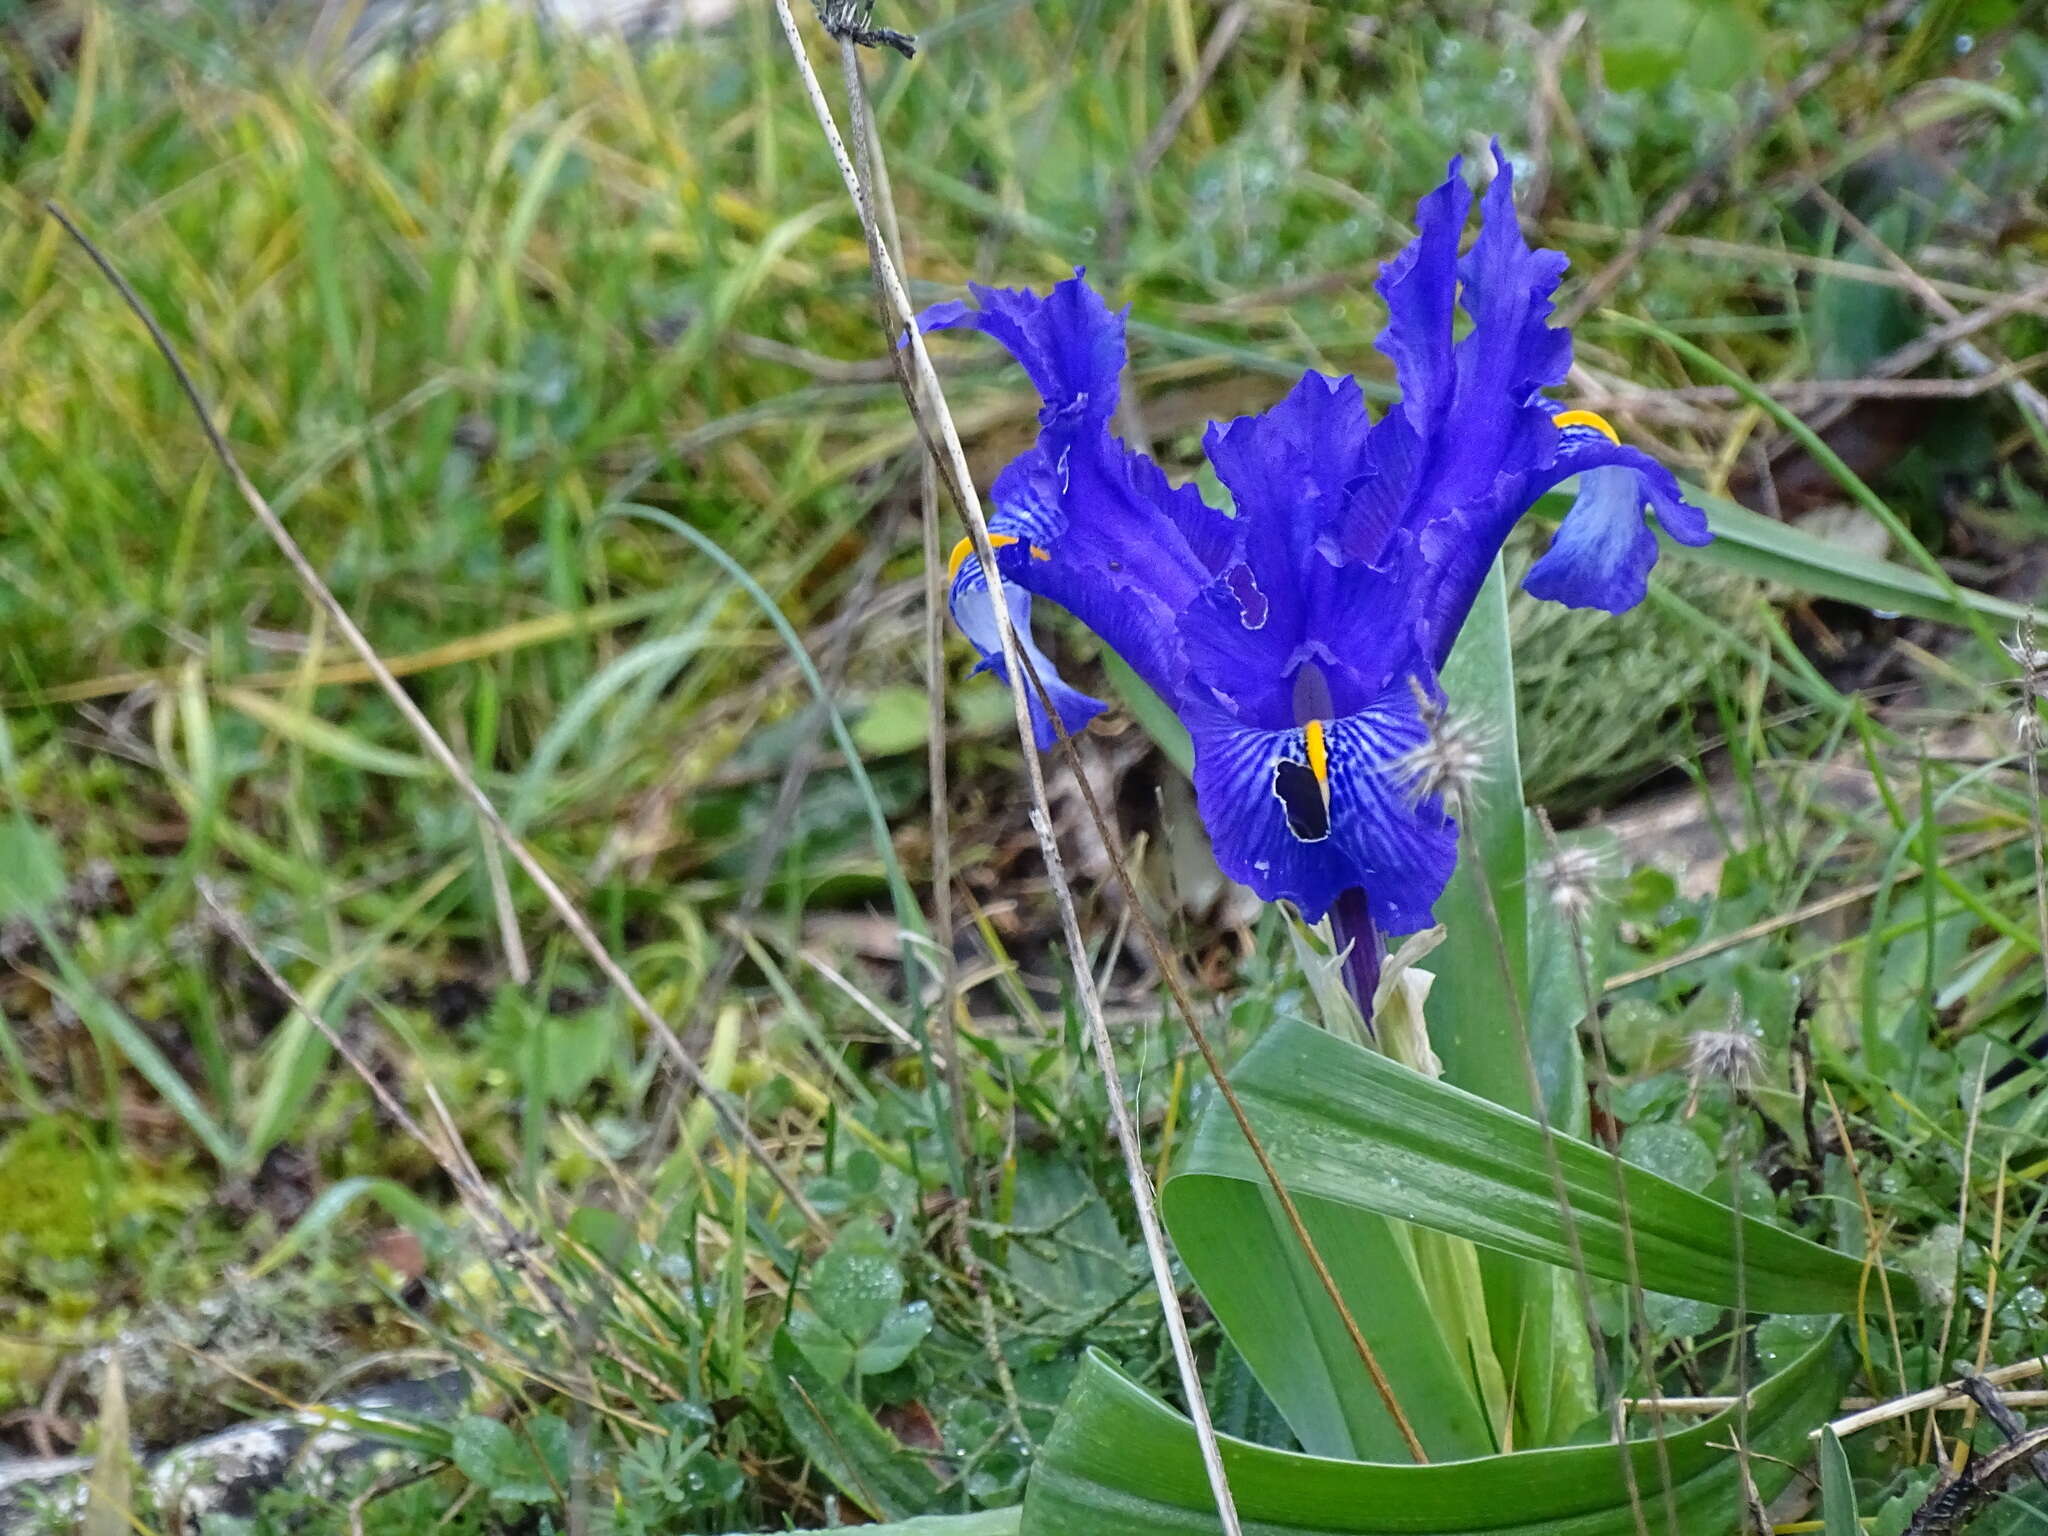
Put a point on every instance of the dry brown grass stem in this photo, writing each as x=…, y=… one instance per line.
x=922, y=392
x=921, y=389
x=431, y=739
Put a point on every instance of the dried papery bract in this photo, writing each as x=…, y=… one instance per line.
x=1728, y=1056
x=1569, y=876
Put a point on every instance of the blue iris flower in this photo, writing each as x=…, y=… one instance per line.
x=1300, y=636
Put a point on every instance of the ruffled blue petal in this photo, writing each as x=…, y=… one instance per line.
x=1497, y=418
x=1259, y=798
x=1449, y=467
x=1420, y=287
x=976, y=616
x=1068, y=341
x=1112, y=541
x=1603, y=551
x=1288, y=468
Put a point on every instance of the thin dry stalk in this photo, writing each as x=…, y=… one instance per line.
x=453, y=1157
x=1948, y=1395
x=1603, y=1081
x=1874, y=1236
x=436, y=745
x=1567, y=1218
x=1218, y=44
x=804, y=759
x=874, y=174
x=961, y=482
x=1968, y=355
x=922, y=392
x=1948, y=1313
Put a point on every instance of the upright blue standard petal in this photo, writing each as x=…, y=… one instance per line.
x=1299, y=636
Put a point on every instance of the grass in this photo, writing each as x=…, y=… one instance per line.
x=465, y=307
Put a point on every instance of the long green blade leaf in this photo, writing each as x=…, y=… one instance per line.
x=843, y=1439
x=1345, y=1124
x=1255, y=1278
x=1119, y=1460
x=1837, y=1491
x=1761, y=546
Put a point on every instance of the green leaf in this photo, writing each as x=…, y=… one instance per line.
x=1837, y=1492
x=896, y=720
x=322, y=738
x=398, y=1202
x=843, y=1440
x=1346, y=1125
x=1119, y=1460
x=1671, y=1152
x=514, y=1467
x=896, y=1340
x=986, y=1522
x=1237, y=1245
x=1470, y=1019
x=857, y=1287
x=1761, y=546
x=1723, y=49
x=1483, y=980
x=1151, y=712
x=829, y=1351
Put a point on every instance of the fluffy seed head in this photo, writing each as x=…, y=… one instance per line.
x=1571, y=877
x=1725, y=1055
x=1452, y=762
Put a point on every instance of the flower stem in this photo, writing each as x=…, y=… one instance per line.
x=1359, y=943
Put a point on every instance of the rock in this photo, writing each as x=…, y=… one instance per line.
x=227, y=1473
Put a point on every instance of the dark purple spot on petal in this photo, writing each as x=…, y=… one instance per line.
x=1301, y=797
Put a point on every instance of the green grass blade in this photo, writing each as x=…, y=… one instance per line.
x=844, y=1440
x=1837, y=1492
x=1828, y=459
x=908, y=914
x=336, y=1201
x=1761, y=546
x=1120, y=1460
x=109, y=1023
x=1347, y=1125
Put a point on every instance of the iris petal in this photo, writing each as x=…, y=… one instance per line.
x=1603, y=551
x=1250, y=788
x=976, y=616
x=1420, y=287
x=1068, y=341
x=1127, y=551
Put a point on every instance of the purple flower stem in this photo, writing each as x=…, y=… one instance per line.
x=1351, y=924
